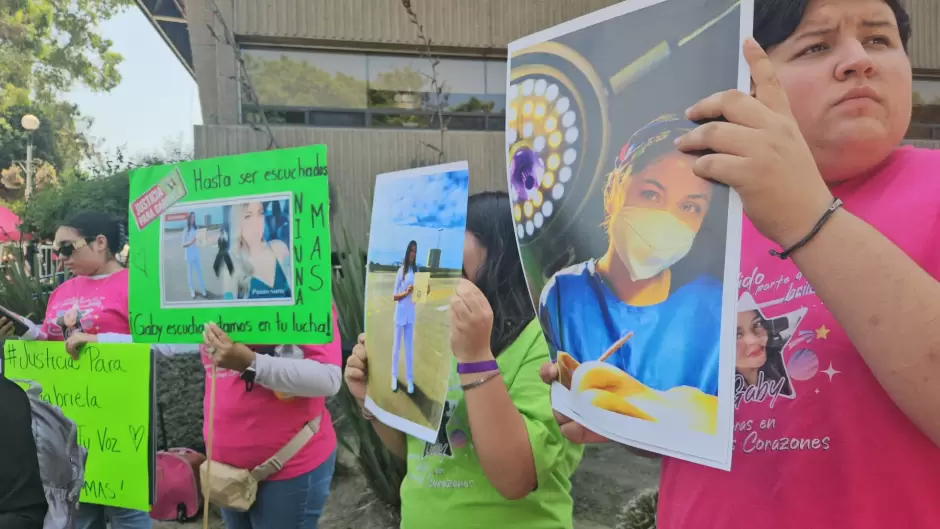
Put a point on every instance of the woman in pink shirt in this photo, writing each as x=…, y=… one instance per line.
x=91, y=307
x=853, y=222
x=264, y=396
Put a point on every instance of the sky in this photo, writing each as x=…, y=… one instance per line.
x=429, y=209
x=157, y=102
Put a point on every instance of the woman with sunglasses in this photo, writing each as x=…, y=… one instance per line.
x=91, y=307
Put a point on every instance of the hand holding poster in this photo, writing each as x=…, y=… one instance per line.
x=108, y=393
x=245, y=244
x=631, y=259
x=416, y=241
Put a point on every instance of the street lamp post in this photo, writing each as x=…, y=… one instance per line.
x=30, y=124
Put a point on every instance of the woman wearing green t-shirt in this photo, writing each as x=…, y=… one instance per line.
x=500, y=459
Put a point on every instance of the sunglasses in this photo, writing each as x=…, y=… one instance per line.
x=66, y=249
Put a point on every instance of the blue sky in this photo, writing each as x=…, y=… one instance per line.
x=157, y=102
x=422, y=208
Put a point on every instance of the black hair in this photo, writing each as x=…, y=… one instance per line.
x=414, y=262
x=91, y=224
x=191, y=220
x=774, y=368
x=500, y=277
x=776, y=20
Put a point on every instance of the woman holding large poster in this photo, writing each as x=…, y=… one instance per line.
x=842, y=223
x=498, y=459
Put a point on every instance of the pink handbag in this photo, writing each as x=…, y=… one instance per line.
x=179, y=496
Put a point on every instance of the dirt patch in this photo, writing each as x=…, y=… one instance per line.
x=609, y=476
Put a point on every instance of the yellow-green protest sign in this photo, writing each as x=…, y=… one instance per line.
x=108, y=393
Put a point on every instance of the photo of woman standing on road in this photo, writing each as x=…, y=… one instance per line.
x=405, y=316
x=268, y=259
x=193, y=266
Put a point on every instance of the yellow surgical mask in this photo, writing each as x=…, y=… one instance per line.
x=649, y=241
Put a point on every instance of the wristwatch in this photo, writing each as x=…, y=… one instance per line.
x=249, y=374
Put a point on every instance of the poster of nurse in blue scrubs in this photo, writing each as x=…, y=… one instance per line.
x=631, y=259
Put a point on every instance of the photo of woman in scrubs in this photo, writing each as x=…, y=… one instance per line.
x=405, y=317
x=655, y=207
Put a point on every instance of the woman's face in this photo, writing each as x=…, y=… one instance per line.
x=87, y=257
x=848, y=80
x=669, y=184
x=253, y=222
x=751, y=341
x=474, y=255
x=412, y=253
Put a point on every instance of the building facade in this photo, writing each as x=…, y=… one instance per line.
x=349, y=74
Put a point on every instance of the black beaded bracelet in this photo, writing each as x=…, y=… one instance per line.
x=836, y=204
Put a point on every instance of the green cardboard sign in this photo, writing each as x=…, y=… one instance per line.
x=245, y=243
x=107, y=392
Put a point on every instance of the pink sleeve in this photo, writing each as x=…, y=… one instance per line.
x=50, y=315
x=331, y=353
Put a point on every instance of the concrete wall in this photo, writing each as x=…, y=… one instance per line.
x=925, y=38
x=472, y=27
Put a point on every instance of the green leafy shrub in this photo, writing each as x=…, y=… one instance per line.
x=21, y=292
x=383, y=471
x=640, y=512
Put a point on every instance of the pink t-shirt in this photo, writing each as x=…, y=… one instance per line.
x=837, y=452
x=93, y=305
x=252, y=426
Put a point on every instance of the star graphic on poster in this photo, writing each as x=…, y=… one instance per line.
x=822, y=333
x=831, y=371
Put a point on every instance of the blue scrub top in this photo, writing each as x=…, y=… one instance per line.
x=405, y=307
x=192, y=251
x=675, y=343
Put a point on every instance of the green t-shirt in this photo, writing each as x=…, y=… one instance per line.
x=445, y=485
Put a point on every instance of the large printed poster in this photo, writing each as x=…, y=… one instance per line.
x=416, y=239
x=631, y=259
x=242, y=241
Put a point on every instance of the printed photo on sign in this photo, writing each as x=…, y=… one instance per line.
x=631, y=259
x=231, y=252
x=759, y=367
x=415, y=260
x=247, y=247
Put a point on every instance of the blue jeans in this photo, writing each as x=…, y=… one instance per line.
x=194, y=268
x=91, y=516
x=294, y=503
